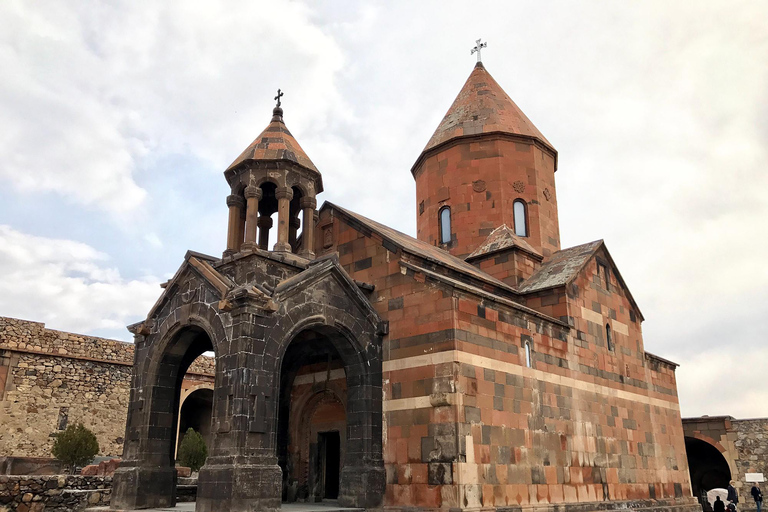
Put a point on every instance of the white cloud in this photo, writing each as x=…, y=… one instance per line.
x=89, y=92
x=725, y=382
x=69, y=285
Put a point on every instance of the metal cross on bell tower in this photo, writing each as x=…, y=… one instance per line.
x=279, y=95
x=478, y=46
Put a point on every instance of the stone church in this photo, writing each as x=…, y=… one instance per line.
x=477, y=366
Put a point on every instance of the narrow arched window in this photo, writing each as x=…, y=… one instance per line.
x=445, y=224
x=528, y=358
x=608, y=338
x=521, y=222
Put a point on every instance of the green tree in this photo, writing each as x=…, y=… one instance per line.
x=76, y=446
x=193, y=452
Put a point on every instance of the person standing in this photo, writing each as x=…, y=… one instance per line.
x=758, y=497
x=732, y=496
x=718, y=506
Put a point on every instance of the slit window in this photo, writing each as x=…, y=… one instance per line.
x=445, y=224
x=608, y=338
x=521, y=223
x=528, y=358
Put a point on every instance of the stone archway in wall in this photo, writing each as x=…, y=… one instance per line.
x=707, y=466
x=196, y=412
x=325, y=415
x=147, y=477
x=317, y=435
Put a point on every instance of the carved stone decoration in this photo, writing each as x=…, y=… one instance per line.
x=478, y=186
x=327, y=236
x=547, y=194
x=189, y=296
x=519, y=186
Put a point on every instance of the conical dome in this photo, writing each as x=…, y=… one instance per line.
x=275, y=143
x=482, y=106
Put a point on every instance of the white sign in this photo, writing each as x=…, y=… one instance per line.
x=754, y=477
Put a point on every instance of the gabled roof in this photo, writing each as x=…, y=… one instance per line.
x=324, y=267
x=563, y=266
x=275, y=143
x=560, y=268
x=418, y=248
x=482, y=106
x=201, y=264
x=501, y=239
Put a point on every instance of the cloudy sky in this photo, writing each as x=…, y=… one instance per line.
x=118, y=119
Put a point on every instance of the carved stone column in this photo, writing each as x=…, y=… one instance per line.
x=308, y=205
x=236, y=205
x=252, y=196
x=284, y=196
x=265, y=223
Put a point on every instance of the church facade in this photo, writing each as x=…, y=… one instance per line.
x=477, y=366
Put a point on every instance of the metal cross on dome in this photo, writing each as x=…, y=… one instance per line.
x=279, y=95
x=478, y=46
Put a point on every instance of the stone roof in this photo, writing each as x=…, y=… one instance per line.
x=421, y=249
x=500, y=239
x=563, y=266
x=560, y=268
x=482, y=106
x=275, y=143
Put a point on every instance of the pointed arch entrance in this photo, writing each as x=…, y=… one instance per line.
x=195, y=412
x=327, y=428
x=147, y=477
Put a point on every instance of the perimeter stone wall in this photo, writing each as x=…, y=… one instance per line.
x=56, y=493
x=50, y=379
x=742, y=443
x=752, y=446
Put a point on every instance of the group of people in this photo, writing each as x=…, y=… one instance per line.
x=733, y=499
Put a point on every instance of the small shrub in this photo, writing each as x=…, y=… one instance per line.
x=76, y=446
x=193, y=452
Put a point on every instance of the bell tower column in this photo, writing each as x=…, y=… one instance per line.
x=236, y=205
x=252, y=196
x=267, y=178
x=265, y=223
x=308, y=205
x=284, y=196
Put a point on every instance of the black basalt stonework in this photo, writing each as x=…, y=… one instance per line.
x=249, y=326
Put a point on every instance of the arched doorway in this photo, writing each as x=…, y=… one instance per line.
x=196, y=412
x=312, y=426
x=707, y=466
x=149, y=478
x=324, y=411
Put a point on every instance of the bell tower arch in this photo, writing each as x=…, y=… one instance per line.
x=273, y=175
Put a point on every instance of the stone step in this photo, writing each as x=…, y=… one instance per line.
x=326, y=506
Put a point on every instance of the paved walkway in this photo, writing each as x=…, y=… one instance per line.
x=325, y=506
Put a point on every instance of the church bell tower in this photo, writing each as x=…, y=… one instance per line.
x=273, y=174
x=486, y=166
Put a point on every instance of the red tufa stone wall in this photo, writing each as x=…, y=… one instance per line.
x=571, y=428
x=480, y=180
x=415, y=312
x=318, y=404
x=552, y=302
x=468, y=425
x=510, y=266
